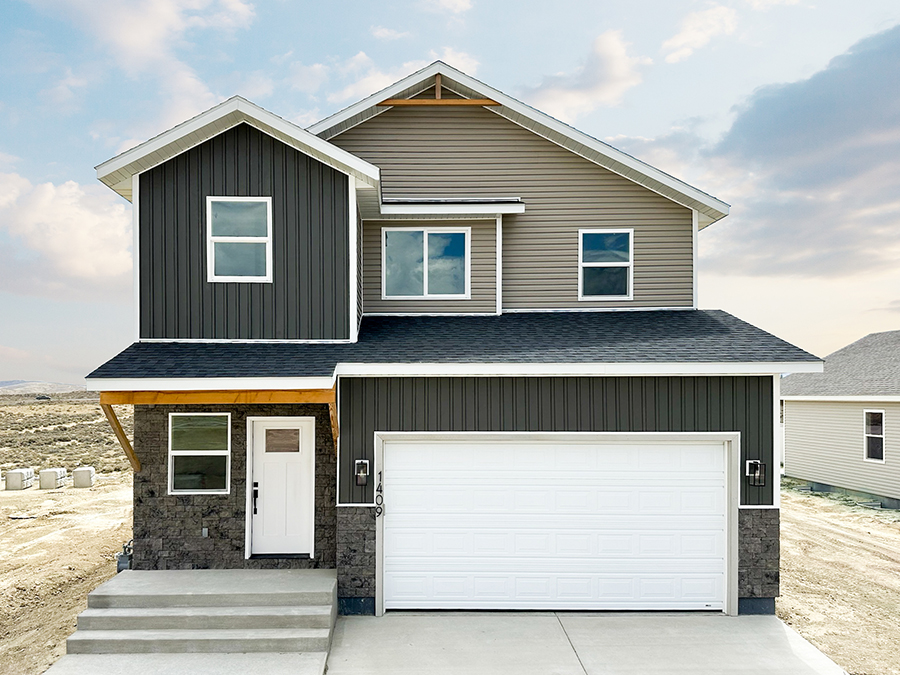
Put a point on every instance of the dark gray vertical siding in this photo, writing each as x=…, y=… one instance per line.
x=672, y=404
x=308, y=298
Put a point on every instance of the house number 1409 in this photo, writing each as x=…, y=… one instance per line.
x=379, y=497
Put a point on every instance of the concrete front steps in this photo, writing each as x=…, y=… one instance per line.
x=214, y=612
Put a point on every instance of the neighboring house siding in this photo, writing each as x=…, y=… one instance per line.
x=308, y=298
x=667, y=404
x=466, y=152
x=823, y=443
x=484, y=269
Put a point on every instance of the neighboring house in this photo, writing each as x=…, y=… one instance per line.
x=450, y=347
x=841, y=425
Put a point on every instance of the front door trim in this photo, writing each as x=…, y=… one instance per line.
x=248, y=488
x=730, y=440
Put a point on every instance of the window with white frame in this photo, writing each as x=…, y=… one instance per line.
x=430, y=262
x=874, y=435
x=239, y=239
x=605, y=264
x=199, y=453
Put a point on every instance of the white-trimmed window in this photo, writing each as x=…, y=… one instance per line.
x=605, y=264
x=239, y=239
x=429, y=262
x=873, y=420
x=199, y=453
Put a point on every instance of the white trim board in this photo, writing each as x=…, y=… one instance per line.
x=730, y=440
x=515, y=111
x=849, y=399
x=491, y=210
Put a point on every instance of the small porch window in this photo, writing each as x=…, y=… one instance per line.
x=874, y=435
x=239, y=239
x=199, y=453
x=605, y=264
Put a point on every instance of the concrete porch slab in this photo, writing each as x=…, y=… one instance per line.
x=548, y=643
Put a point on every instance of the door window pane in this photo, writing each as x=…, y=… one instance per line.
x=403, y=263
x=282, y=440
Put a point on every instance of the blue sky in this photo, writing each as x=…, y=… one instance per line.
x=787, y=109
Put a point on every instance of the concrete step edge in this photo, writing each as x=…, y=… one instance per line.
x=144, y=600
x=200, y=634
x=248, y=610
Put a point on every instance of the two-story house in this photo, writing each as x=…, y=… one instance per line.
x=448, y=346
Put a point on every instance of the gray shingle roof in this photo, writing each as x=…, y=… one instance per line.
x=868, y=367
x=697, y=336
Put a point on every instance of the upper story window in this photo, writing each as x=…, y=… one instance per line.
x=239, y=238
x=430, y=262
x=199, y=453
x=874, y=434
x=605, y=264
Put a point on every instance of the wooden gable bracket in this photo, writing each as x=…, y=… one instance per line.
x=110, y=398
x=437, y=100
x=120, y=435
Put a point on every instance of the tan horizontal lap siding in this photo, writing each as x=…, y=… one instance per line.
x=484, y=270
x=823, y=442
x=470, y=152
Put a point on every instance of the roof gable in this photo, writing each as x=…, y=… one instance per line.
x=868, y=367
x=118, y=171
x=710, y=208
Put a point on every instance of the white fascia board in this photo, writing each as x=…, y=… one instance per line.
x=208, y=383
x=533, y=114
x=341, y=157
x=875, y=398
x=491, y=210
x=564, y=369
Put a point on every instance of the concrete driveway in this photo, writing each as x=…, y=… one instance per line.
x=563, y=643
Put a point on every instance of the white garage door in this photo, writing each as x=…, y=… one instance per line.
x=516, y=523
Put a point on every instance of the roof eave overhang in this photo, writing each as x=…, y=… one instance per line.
x=592, y=149
x=872, y=398
x=453, y=370
x=118, y=171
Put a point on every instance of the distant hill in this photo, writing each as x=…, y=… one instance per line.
x=26, y=387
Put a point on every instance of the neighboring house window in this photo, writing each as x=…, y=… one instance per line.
x=431, y=262
x=239, y=238
x=874, y=434
x=605, y=264
x=199, y=453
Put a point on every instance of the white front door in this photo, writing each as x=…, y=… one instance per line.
x=281, y=485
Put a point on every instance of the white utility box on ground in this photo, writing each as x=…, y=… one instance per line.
x=19, y=479
x=83, y=477
x=52, y=478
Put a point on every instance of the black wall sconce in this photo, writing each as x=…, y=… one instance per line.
x=362, y=472
x=756, y=473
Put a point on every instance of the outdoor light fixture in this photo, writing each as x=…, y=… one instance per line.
x=756, y=473
x=362, y=472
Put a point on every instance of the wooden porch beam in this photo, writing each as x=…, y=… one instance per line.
x=120, y=434
x=438, y=101
x=217, y=397
x=335, y=429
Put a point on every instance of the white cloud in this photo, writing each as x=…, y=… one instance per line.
x=766, y=4
x=308, y=79
x=306, y=118
x=6, y=160
x=608, y=72
x=460, y=60
x=698, y=29
x=383, y=33
x=370, y=77
x=254, y=86
x=452, y=6
x=63, y=91
x=67, y=231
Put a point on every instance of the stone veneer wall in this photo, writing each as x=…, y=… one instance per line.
x=356, y=552
x=167, y=528
x=759, y=551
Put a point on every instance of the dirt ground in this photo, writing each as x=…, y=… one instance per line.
x=840, y=579
x=840, y=563
x=56, y=545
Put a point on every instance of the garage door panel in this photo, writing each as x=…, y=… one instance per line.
x=520, y=525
